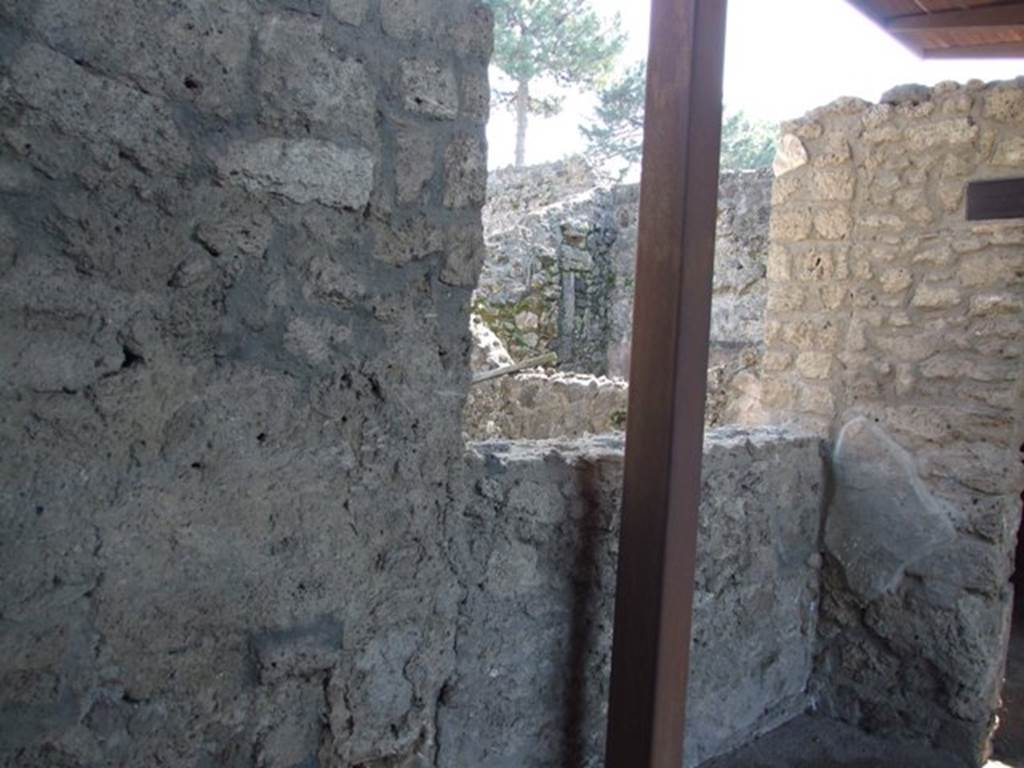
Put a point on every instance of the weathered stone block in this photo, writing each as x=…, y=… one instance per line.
x=878, y=491
x=303, y=170
x=429, y=87
x=91, y=108
x=465, y=168
x=303, y=86
x=348, y=11
x=935, y=297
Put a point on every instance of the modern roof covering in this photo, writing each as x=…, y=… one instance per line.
x=952, y=29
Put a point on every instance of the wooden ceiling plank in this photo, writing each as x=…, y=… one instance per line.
x=995, y=51
x=972, y=18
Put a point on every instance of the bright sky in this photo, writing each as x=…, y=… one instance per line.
x=783, y=58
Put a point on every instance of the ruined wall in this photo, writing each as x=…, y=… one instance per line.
x=559, y=271
x=896, y=327
x=560, y=264
x=535, y=542
x=237, y=243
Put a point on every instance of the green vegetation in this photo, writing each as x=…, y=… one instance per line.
x=615, y=135
x=559, y=42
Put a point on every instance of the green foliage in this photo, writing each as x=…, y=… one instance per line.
x=562, y=42
x=618, y=127
x=616, y=132
x=747, y=142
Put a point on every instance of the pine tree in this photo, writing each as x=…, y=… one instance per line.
x=616, y=132
x=747, y=142
x=560, y=41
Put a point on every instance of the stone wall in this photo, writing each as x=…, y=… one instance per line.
x=237, y=244
x=560, y=264
x=535, y=542
x=559, y=276
x=896, y=327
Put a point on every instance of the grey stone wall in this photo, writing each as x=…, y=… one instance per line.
x=237, y=243
x=560, y=264
x=895, y=326
x=534, y=541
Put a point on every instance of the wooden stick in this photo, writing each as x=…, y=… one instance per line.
x=534, y=362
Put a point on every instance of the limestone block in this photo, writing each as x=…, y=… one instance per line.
x=986, y=304
x=348, y=11
x=315, y=90
x=195, y=52
x=820, y=263
x=959, y=103
x=303, y=170
x=777, y=360
x=833, y=183
x=814, y=365
x=410, y=19
x=911, y=93
x=833, y=149
x=786, y=298
x=1009, y=151
x=878, y=492
x=935, y=297
x=60, y=362
x=778, y=269
x=1005, y=104
x=833, y=223
x=790, y=155
x=476, y=95
x=465, y=257
x=465, y=166
x=895, y=280
x=96, y=110
x=908, y=348
x=407, y=237
x=429, y=87
x=945, y=132
x=982, y=466
x=315, y=340
x=951, y=366
x=791, y=224
x=414, y=164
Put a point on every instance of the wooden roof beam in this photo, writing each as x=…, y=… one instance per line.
x=986, y=17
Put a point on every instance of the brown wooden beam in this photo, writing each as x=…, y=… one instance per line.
x=668, y=377
x=970, y=18
x=994, y=51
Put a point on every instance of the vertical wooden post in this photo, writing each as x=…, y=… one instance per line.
x=668, y=381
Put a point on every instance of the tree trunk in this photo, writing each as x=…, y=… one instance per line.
x=522, y=113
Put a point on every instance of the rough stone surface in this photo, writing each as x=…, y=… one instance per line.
x=231, y=377
x=877, y=494
x=561, y=259
x=540, y=404
x=535, y=539
x=891, y=313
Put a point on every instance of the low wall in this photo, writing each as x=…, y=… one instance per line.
x=534, y=543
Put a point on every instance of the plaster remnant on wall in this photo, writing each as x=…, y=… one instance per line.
x=882, y=518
